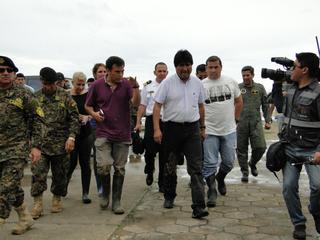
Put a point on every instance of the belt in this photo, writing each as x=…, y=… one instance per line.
x=181, y=123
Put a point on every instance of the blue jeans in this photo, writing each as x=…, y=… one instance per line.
x=212, y=146
x=290, y=191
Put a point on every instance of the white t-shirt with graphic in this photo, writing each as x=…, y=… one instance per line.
x=219, y=105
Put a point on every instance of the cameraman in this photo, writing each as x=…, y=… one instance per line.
x=301, y=131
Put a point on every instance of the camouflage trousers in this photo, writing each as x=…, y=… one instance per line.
x=11, y=192
x=59, y=169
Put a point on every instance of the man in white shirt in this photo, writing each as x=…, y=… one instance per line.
x=223, y=105
x=181, y=97
x=146, y=107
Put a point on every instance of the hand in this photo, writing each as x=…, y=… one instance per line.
x=69, y=145
x=267, y=125
x=133, y=82
x=202, y=134
x=138, y=127
x=157, y=136
x=316, y=158
x=98, y=117
x=35, y=155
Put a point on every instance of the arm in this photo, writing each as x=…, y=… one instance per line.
x=74, y=125
x=140, y=113
x=156, y=119
x=96, y=115
x=265, y=109
x=201, y=121
x=238, y=104
x=135, y=100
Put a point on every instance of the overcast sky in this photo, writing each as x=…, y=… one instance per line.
x=73, y=35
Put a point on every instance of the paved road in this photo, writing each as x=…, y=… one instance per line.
x=249, y=211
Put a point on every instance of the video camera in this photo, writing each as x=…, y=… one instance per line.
x=279, y=75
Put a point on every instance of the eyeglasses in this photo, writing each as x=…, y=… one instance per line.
x=9, y=70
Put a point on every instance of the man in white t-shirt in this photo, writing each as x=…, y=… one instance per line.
x=181, y=97
x=223, y=105
x=146, y=107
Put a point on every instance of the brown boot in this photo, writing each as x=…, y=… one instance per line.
x=37, y=209
x=25, y=220
x=56, y=204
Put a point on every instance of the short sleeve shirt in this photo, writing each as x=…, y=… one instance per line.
x=147, y=95
x=219, y=105
x=180, y=100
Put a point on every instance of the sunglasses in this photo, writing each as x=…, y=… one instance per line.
x=9, y=70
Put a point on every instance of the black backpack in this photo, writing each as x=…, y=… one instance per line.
x=276, y=157
x=137, y=143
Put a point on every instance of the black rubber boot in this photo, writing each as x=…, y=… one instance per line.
x=299, y=232
x=117, y=185
x=221, y=184
x=212, y=192
x=105, y=196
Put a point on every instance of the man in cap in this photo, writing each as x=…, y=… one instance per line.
x=20, y=131
x=62, y=125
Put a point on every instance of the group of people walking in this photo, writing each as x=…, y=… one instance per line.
x=205, y=122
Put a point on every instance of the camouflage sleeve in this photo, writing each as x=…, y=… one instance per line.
x=265, y=105
x=73, y=117
x=35, y=119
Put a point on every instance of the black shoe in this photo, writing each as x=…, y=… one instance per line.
x=149, y=179
x=317, y=222
x=199, y=213
x=299, y=232
x=245, y=178
x=168, y=203
x=86, y=199
x=254, y=170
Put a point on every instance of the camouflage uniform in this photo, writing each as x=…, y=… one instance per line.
x=62, y=121
x=250, y=125
x=21, y=117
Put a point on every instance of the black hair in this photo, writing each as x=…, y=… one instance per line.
x=183, y=57
x=201, y=68
x=214, y=59
x=311, y=61
x=20, y=75
x=159, y=63
x=90, y=80
x=248, y=68
x=114, y=60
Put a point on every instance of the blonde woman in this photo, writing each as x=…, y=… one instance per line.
x=83, y=142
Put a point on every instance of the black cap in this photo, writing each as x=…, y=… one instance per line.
x=48, y=75
x=5, y=61
x=60, y=76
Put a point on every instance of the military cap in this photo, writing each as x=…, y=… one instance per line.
x=60, y=76
x=48, y=75
x=5, y=61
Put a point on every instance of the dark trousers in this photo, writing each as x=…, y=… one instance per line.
x=183, y=138
x=82, y=151
x=151, y=150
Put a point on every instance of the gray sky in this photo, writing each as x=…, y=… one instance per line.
x=72, y=35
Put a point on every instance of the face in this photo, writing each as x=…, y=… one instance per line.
x=78, y=85
x=184, y=71
x=60, y=83
x=115, y=74
x=48, y=88
x=7, y=76
x=20, y=81
x=202, y=75
x=101, y=72
x=161, y=72
x=297, y=71
x=214, y=70
x=247, y=77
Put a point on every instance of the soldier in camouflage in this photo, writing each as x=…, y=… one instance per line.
x=249, y=126
x=21, y=118
x=62, y=125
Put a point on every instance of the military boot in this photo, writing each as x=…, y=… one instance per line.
x=221, y=184
x=105, y=185
x=37, y=209
x=212, y=192
x=56, y=204
x=25, y=220
x=117, y=184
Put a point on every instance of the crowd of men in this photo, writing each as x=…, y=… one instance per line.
x=206, y=120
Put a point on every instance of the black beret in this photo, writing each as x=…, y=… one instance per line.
x=48, y=75
x=60, y=76
x=5, y=61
